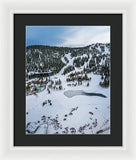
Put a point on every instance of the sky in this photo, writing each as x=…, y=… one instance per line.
x=67, y=36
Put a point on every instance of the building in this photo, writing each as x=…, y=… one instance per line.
x=40, y=75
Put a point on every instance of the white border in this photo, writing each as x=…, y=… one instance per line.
x=123, y=12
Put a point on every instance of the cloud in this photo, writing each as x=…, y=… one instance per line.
x=76, y=36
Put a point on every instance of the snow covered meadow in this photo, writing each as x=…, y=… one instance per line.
x=76, y=98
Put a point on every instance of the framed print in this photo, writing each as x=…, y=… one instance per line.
x=67, y=79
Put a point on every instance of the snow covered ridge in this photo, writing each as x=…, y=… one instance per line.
x=75, y=99
x=44, y=58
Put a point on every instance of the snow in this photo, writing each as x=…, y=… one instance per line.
x=63, y=60
x=98, y=48
x=81, y=114
x=68, y=56
x=62, y=105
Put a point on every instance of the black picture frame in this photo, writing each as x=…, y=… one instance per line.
x=116, y=136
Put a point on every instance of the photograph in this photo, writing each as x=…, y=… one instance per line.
x=67, y=80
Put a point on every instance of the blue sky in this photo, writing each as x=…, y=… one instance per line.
x=69, y=36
